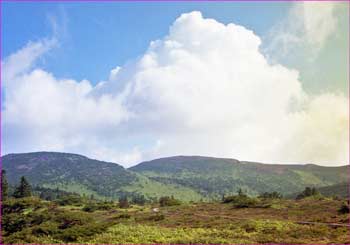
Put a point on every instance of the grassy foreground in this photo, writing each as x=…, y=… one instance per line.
x=31, y=220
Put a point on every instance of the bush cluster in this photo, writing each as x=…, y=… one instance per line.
x=308, y=192
x=344, y=209
x=94, y=206
x=243, y=201
x=168, y=201
x=27, y=220
x=71, y=199
x=271, y=195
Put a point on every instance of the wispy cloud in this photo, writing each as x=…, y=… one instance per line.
x=307, y=28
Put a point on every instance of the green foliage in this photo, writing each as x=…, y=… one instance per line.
x=143, y=234
x=70, y=199
x=4, y=186
x=243, y=201
x=31, y=220
x=344, y=209
x=93, y=206
x=308, y=192
x=168, y=201
x=13, y=223
x=340, y=190
x=124, y=216
x=138, y=199
x=123, y=202
x=187, y=178
x=49, y=194
x=156, y=217
x=67, y=171
x=271, y=195
x=105, y=206
x=19, y=205
x=23, y=189
x=212, y=177
x=13, y=211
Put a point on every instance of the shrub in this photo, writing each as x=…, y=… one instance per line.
x=69, y=219
x=157, y=217
x=168, y=201
x=24, y=236
x=124, y=216
x=344, y=209
x=139, y=199
x=271, y=195
x=244, y=201
x=12, y=223
x=74, y=200
x=91, y=207
x=123, y=202
x=308, y=192
x=20, y=204
x=47, y=228
x=105, y=206
x=72, y=234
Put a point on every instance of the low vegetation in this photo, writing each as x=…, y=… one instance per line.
x=268, y=218
x=168, y=201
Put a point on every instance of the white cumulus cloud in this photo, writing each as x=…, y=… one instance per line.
x=204, y=89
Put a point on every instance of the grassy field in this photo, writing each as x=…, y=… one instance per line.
x=38, y=221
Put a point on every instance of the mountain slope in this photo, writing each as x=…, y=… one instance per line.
x=67, y=171
x=76, y=173
x=184, y=177
x=340, y=190
x=213, y=177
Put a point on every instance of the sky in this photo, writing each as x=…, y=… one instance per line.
x=128, y=82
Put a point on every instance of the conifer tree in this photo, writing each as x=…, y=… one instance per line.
x=24, y=189
x=4, y=186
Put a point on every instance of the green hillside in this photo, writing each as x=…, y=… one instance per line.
x=340, y=190
x=76, y=173
x=185, y=177
x=213, y=177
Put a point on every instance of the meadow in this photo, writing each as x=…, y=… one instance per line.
x=264, y=220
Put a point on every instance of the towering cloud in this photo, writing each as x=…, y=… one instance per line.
x=205, y=89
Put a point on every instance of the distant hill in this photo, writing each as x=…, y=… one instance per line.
x=217, y=176
x=340, y=190
x=184, y=177
x=76, y=173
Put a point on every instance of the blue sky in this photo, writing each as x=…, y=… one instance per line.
x=99, y=36
x=133, y=81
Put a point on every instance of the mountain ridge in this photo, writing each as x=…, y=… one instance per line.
x=186, y=177
x=217, y=176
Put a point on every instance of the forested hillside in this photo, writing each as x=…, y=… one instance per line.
x=217, y=176
x=185, y=177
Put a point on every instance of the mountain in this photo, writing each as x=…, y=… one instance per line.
x=184, y=177
x=340, y=190
x=213, y=177
x=76, y=173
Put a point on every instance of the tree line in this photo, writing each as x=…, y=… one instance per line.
x=23, y=189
